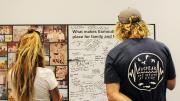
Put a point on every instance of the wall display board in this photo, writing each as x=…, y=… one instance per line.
x=88, y=47
x=54, y=39
x=75, y=53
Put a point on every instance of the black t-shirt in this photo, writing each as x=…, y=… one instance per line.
x=142, y=67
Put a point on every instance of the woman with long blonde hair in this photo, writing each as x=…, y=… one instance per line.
x=30, y=80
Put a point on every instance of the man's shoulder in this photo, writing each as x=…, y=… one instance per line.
x=116, y=49
x=159, y=43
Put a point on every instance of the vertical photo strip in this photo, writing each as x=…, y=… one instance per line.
x=55, y=46
x=5, y=37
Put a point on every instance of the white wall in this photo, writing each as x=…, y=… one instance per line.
x=164, y=13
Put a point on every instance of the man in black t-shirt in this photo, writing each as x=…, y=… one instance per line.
x=139, y=68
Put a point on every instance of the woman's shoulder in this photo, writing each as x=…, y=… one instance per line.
x=44, y=71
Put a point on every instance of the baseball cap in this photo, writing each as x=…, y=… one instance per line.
x=125, y=15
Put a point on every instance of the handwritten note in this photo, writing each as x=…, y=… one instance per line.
x=88, y=47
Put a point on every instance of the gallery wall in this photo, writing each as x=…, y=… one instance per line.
x=54, y=40
x=160, y=12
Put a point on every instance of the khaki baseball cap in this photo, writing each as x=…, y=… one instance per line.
x=124, y=16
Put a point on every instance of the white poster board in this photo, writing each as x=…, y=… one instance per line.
x=88, y=47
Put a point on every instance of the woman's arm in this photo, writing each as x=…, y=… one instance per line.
x=55, y=95
x=113, y=93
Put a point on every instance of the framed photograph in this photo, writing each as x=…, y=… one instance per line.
x=3, y=78
x=61, y=73
x=62, y=84
x=3, y=62
x=12, y=47
x=18, y=31
x=56, y=33
x=58, y=53
x=64, y=93
x=5, y=29
x=8, y=38
x=3, y=92
x=3, y=49
x=2, y=38
x=46, y=48
x=11, y=59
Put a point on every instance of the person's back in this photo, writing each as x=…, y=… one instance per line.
x=29, y=79
x=139, y=68
x=44, y=82
x=142, y=68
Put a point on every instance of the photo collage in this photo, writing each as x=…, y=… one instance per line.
x=55, y=44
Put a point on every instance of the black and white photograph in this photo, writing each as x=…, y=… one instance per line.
x=5, y=29
x=58, y=53
x=56, y=33
x=3, y=49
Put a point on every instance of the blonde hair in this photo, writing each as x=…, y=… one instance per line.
x=131, y=30
x=29, y=56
